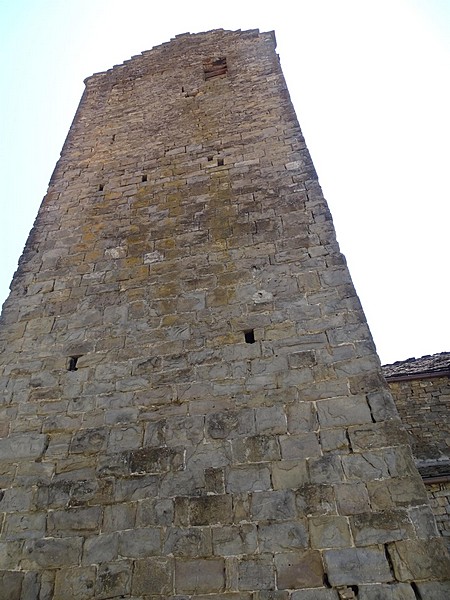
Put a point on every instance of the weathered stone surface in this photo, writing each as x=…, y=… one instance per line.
x=153, y=576
x=140, y=543
x=299, y=569
x=52, y=552
x=210, y=510
x=77, y=583
x=244, y=479
x=395, y=591
x=190, y=542
x=256, y=573
x=235, y=540
x=315, y=500
x=434, y=590
x=278, y=505
x=289, y=474
x=329, y=532
x=354, y=566
x=256, y=449
x=22, y=445
x=193, y=407
x=200, y=576
x=352, y=498
x=10, y=585
x=315, y=594
x=380, y=527
x=417, y=559
x=281, y=537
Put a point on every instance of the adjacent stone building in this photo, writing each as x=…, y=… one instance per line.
x=192, y=406
x=421, y=390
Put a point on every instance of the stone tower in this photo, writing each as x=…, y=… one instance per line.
x=192, y=406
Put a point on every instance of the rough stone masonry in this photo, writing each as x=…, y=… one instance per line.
x=192, y=405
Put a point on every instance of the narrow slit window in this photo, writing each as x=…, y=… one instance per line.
x=215, y=67
x=72, y=363
x=100, y=187
x=249, y=336
x=220, y=162
x=144, y=178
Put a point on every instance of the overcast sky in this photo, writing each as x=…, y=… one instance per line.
x=370, y=81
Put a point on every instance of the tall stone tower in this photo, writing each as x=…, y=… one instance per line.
x=192, y=403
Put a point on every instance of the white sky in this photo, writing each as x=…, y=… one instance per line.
x=370, y=82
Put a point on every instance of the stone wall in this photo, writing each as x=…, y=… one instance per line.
x=423, y=405
x=439, y=495
x=192, y=403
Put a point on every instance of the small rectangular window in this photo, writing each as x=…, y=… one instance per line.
x=214, y=67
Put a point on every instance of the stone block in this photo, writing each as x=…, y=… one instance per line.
x=434, y=590
x=365, y=466
x=200, y=576
x=394, y=591
x=423, y=519
x=10, y=554
x=27, y=445
x=419, y=559
x=11, y=585
x=282, y=537
x=210, y=510
x=329, y=532
x=302, y=417
x=154, y=512
x=15, y=500
x=140, y=543
x=301, y=445
x=377, y=435
x=101, y=548
x=51, y=553
x=339, y=412
x=74, y=521
x=396, y=492
x=334, y=439
x=119, y=516
x=77, y=583
x=352, y=498
x=354, y=566
x=188, y=542
x=32, y=586
x=153, y=576
x=315, y=500
x=271, y=595
x=289, y=474
x=299, y=570
x=256, y=573
x=24, y=526
x=273, y=505
x=301, y=360
x=248, y=479
x=382, y=405
x=215, y=481
x=270, y=419
x=380, y=527
x=113, y=580
x=184, y=430
x=89, y=441
x=260, y=448
x=155, y=460
x=230, y=424
x=315, y=594
x=326, y=469
x=234, y=540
